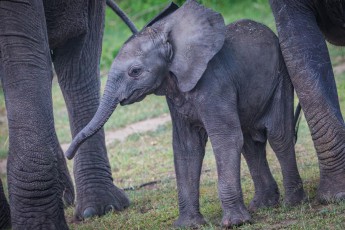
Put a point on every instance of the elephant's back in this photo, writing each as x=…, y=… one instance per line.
x=258, y=61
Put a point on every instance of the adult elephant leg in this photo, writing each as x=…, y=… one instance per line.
x=5, y=217
x=35, y=190
x=307, y=59
x=77, y=67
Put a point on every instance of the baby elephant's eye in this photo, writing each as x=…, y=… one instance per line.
x=135, y=71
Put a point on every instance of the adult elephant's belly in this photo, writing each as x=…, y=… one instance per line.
x=330, y=17
x=65, y=20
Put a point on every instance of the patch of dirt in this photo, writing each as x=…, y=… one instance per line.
x=339, y=69
x=3, y=164
x=139, y=127
x=3, y=118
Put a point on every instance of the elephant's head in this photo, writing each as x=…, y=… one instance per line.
x=179, y=40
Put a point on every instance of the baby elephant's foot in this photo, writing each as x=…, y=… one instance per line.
x=99, y=201
x=295, y=196
x=264, y=199
x=189, y=221
x=236, y=217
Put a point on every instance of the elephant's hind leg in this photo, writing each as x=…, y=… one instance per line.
x=266, y=189
x=280, y=134
x=294, y=193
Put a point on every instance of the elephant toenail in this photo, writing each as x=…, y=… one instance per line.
x=340, y=196
x=89, y=212
x=109, y=208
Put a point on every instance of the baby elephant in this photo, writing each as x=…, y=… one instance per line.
x=225, y=83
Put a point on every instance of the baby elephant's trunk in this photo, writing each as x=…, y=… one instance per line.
x=106, y=108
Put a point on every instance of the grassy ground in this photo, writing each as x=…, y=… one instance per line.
x=148, y=156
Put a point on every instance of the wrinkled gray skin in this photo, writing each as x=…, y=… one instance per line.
x=302, y=27
x=38, y=178
x=225, y=83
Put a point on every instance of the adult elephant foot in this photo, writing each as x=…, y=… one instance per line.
x=96, y=192
x=235, y=217
x=331, y=188
x=265, y=198
x=330, y=148
x=99, y=200
x=189, y=221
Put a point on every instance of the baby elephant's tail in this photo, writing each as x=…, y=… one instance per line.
x=297, y=119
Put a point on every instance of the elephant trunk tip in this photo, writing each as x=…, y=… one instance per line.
x=90, y=130
x=71, y=151
x=103, y=113
x=77, y=141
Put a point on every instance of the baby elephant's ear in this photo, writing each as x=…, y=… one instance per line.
x=196, y=34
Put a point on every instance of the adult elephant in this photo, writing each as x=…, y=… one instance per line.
x=302, y=27
x=32, y=35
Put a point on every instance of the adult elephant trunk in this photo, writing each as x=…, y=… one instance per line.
x=107, y=106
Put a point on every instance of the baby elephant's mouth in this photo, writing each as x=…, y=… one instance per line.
x=134, y=97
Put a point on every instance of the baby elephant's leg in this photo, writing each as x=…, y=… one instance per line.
x=280, y=134
x=283, y=146
x=189, y=150
x=226, y=137
x=266, y=189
